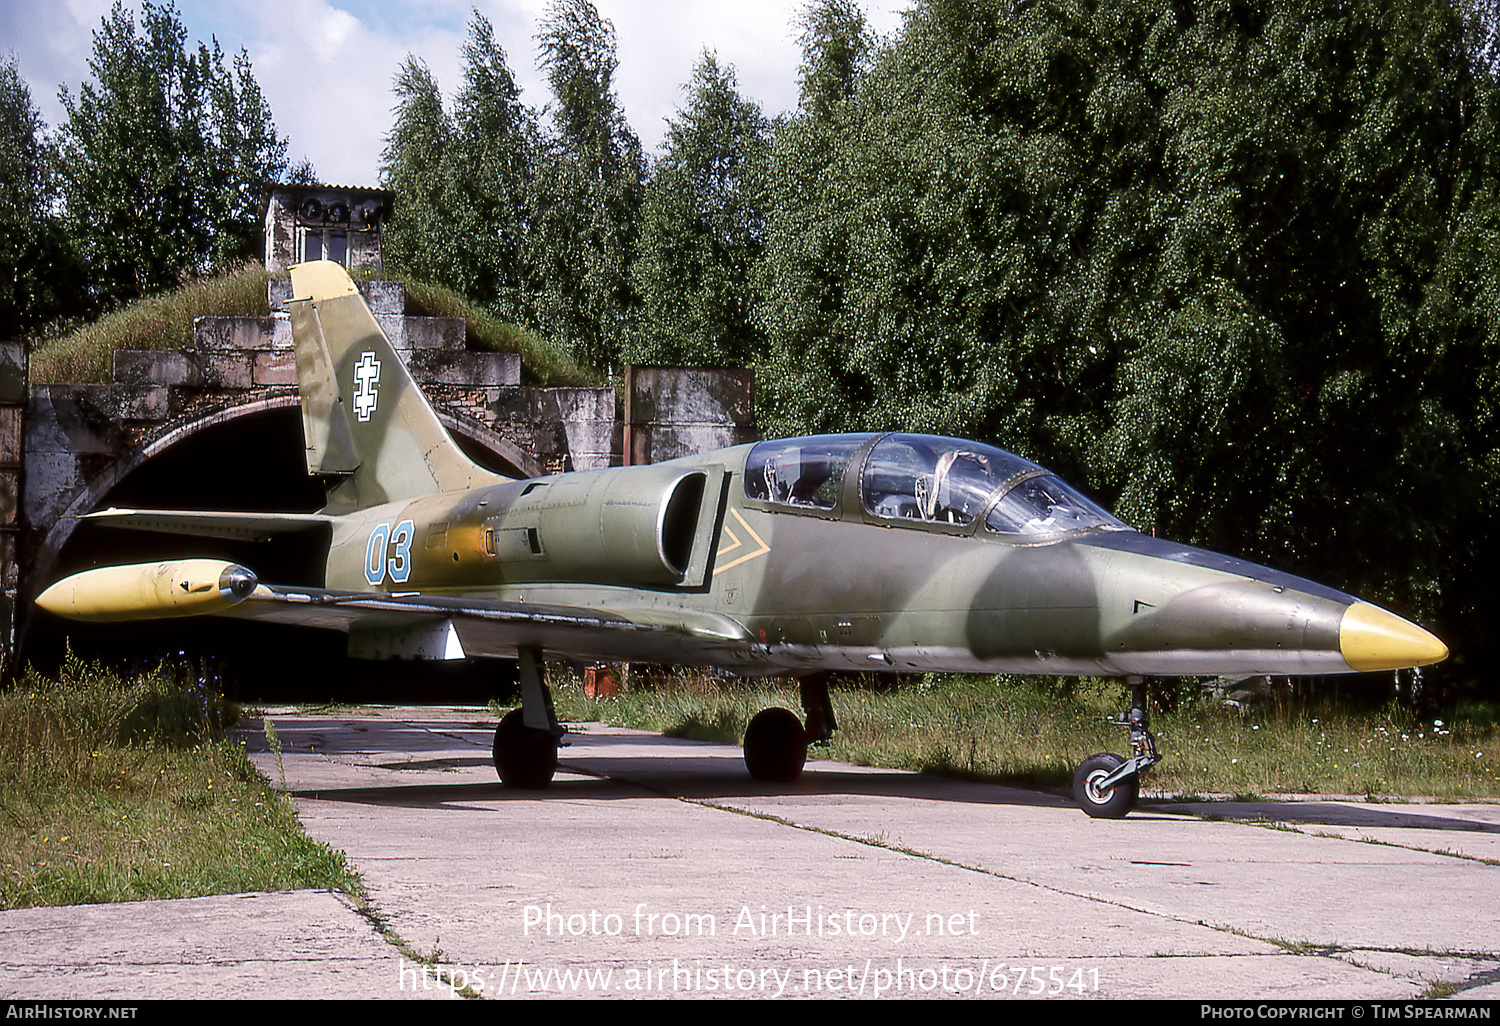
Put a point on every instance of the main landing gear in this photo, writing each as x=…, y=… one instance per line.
x=1107, y=786
x=776, y=740
x=527, y=739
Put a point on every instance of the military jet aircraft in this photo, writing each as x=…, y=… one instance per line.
x=799, y=556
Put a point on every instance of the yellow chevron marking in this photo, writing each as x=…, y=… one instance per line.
x=764, y=548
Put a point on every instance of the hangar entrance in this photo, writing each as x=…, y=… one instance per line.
x=253, y=462
x=216, y=425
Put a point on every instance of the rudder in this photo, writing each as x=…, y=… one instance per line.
x=364, y=419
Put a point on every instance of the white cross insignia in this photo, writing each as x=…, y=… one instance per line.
x=366, y=386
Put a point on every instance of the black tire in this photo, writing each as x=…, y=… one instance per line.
x=1111, y=804
x=525, y=758
x=775, y=746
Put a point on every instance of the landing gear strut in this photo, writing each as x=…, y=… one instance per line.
x=776, y=740
x=1107, y=786
x=527, y=738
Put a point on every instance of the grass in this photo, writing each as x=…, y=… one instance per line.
x=541, y=362
x=1384, y=753
x=1033, y=732
x=119, y=789
x=161, y=322
x=85, y=354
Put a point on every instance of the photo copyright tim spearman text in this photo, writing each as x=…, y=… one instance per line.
x=803, y=973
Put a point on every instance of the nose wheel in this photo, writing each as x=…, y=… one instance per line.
x=1096, y=796
x=1107, y=786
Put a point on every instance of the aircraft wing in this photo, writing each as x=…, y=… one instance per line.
x=384, y=624
x=410, y=625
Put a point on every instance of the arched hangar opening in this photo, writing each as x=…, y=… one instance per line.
x=248, y=459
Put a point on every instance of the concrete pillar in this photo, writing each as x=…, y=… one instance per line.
x=681, y=411
x=12, y=406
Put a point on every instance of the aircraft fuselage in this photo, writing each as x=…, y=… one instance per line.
x=802, y=587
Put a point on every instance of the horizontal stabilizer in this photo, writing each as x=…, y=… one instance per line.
x=210, y=524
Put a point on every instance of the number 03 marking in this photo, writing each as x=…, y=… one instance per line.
x=398, y=565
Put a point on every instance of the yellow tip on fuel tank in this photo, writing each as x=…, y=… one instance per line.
x=1372, y=639
x=184, y=587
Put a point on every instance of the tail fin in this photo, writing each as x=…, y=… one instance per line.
x=363, y=417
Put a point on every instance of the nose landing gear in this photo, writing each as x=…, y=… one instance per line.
x=1107, y=786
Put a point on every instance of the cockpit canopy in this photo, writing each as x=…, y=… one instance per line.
x=922, y=479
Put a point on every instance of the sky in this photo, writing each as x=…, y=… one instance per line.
x=326, y=68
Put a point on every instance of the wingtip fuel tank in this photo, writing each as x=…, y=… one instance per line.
x=183, y=587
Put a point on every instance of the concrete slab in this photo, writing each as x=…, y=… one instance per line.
x=655, y=867
x=308, y=944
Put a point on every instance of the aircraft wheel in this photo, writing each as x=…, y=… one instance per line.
x=1111, y=804
x=525, y=757
x=775, y=746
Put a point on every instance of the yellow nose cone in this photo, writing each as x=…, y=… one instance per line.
x=1372, y=639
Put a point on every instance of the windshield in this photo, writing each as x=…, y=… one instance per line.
x=1045, y=505
x=935, y=480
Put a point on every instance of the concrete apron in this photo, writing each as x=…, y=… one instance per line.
x=656, y=868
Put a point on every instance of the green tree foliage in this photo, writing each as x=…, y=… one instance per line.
x=802, y=281
x=589, y=184
x=419, y=237
x=163, y=157
x=702, y=230
x=538, y=227
x=244, y=156
x=836, y=48
x=463, y=182
x=38, y=275
x=496, y=138
x=1234, y=265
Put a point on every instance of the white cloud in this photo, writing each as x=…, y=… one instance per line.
x=331, y=29
x=327, y=75
x=51, y=43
